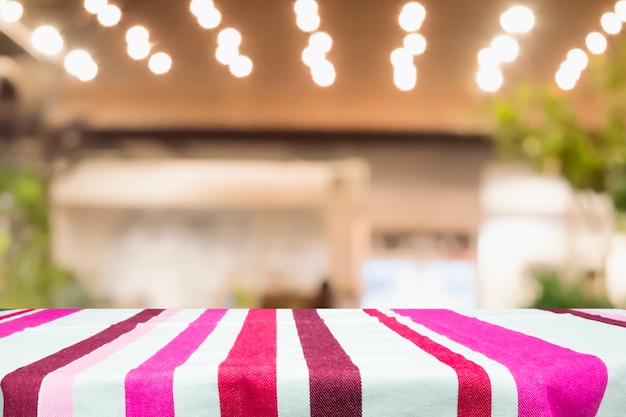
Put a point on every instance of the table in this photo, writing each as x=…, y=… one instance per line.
x=257, y=362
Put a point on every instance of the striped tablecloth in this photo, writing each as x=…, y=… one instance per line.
x=149, y=363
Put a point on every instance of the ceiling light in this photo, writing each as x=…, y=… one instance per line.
x=94, y=6
x=505, y=48
x=160, y=63
x=611, y=23
x=308, y=22
x=321, y=41
x=80, y=64
x=596, y=43
x=517, y=19
x=110, y=15
x=47, y=40
x=241, y=66
x=489, y=79
x=12, y=12
x=412, y=16
x=229, y=37
x=137, y=34
x=415, y=43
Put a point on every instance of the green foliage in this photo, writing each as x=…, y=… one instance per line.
x=28, y=277
x=537, y=125
x=554, y=292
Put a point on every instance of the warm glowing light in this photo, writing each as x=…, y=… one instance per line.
x=138, y=50
x=596, y=43
x=505, y=48
x=488, y=58
x=321, y=41
x=308, y=22
x=412, y=16
x=241, y=66
x=137, y=34
x=200, y=7
x=567, y=77
x=578, y=59
x=489, y=79
x=47, y=39
x=405, y=77
x=110, y=15
x=611, y=23
x=12, y=12
x=312, y=56
x=95, y=6
x=229, y=37
x=210, y=19
x=401, y=57
x=415, y=43
x=160, y=63
x=517, y=19
x=305, y=7
x=620, y=10
x=226, y=55
x=323, y=74
x=80, y=64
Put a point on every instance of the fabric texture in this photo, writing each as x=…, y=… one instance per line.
x=265, y=362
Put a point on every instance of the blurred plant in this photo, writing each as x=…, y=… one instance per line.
x=28, y=277
x=555, y=291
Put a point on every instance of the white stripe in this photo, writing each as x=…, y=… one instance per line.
x=99, y=390
x=35, y=343
x=503, y=387
x=605, y=341
x=291, y=369
x=397, y=377
x=195, y=382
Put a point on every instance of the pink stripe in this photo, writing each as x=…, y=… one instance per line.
x=619, y=317
x=150, y=386
x=33, y=320
x=55, y=395
x=551, y=380
x=15, y=313
x=247, y=377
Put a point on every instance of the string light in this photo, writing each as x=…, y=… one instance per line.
x=241, y=66
x=611, y=23
x=411, y=19
x=160, y=63
x=620, y=10
x=12, y=12
x=489, y=79
x=110, y=15
x=95, y=6
x=517, y=20
x=80, y=64
x=596, y=43
x=47, y=40
x=320, y=43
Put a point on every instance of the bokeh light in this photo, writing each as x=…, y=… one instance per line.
x=47, y=40
x=415, y=43
x=596, y=43
x=110, y=15
x=160, y=63
x=505, y=48
x=517, y=19
x=489, y=79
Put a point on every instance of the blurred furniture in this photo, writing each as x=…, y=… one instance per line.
x=339, y=362
x=332, y=194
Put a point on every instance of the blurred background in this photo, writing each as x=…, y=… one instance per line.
x=280, y=153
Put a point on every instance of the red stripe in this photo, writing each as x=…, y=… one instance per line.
x=474, y=398
x=334, y=380
x=17, y=313
x=588, y=316
x=247, y=377
x=21, y=387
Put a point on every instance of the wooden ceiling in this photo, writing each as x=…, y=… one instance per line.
x=200, y=93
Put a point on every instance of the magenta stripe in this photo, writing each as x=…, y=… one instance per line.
x=247, y=377
x=33, y=320
x=593, y=317
x=16, y=313
x=474, y=397
x=21, y=387
x=150, y=386
x=56, y=392
x=334, y=380
x=551, y=380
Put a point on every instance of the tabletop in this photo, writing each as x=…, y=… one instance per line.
x=326, y=362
